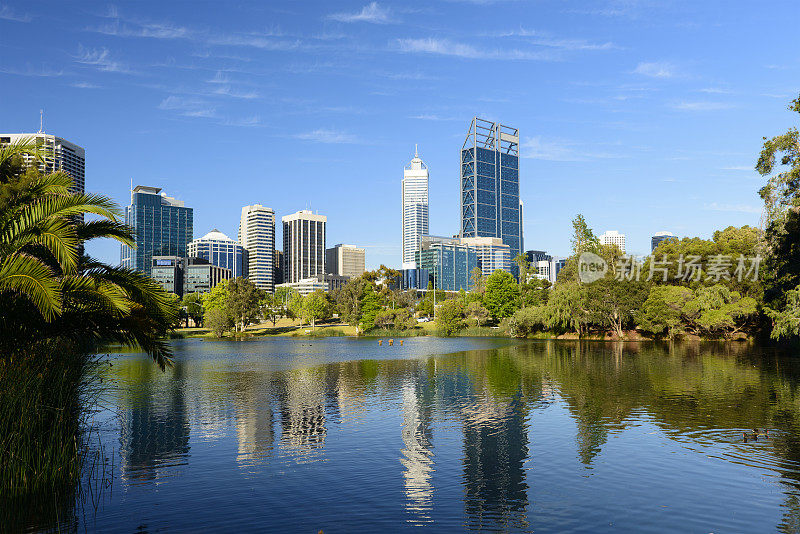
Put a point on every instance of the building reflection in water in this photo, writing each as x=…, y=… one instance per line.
x=254, y=418
x=495, y=451
x=417, y=456
x=302, y=404
x=154, y=422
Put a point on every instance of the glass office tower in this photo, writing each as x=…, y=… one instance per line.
x=162, y=226
x=220, y=250
x=490, y=203
x=447, y=262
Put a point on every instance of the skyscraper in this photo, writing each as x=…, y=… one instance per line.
x=612, y=237
x=304, y=235
x=658, y=238
x=257, y=237
x=162, y=226
x=490, y=204
x=415, y=207
x=59, y=155
x=345, y=260
x=219, y=250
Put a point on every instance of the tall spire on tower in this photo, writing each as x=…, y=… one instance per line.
x=416, y=152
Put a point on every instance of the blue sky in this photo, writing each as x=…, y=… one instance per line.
x=642, y=115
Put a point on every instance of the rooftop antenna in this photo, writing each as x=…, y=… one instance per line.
x=41, y=121
x=416, y=152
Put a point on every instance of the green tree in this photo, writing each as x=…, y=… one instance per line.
x=477, y=281
x=534, y=292
x=315, y=307
x=526, y=321
x=450, y=316
x=583, y=238
x=567, y=307
x=477, y=313
x=786, y=323
x=781, y=196
x=243, y=303
x=193, y=302
x=613, y=303
x=370, y=306
x=523, y=267
x=217, y=321
x=501, y=294
x=662, y=311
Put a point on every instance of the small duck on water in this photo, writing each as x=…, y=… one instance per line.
x=755, y=435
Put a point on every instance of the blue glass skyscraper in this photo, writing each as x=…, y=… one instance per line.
x=490, y=203
x=162, y=226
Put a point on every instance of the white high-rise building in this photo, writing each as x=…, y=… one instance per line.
x=257, y=237
x=59, y=155
x=415, y=208
x=492, y=253
x=612, y=237
x=304, y=235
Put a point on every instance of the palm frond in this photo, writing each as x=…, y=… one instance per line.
x=123, y=233
x=30, y=277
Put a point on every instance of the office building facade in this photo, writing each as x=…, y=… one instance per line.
x=415, y=207
x=660, y=237
x=278, y=267
x=490, y=195
x=492, y=253
x=201, y=276
x=219, y=250
x=612, y=237
x=59, y=155
x=257, y=238
x=345, y=260
x=162, y=226
x=448, y=262
x=304, y=236
x=168, y=272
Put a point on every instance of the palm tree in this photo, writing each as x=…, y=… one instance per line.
x=48, y=290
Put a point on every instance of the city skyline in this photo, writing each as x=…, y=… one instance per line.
x=665, y=105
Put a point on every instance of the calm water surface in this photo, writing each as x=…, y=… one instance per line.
x=292, y=435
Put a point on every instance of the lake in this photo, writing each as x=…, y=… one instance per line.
x=344, y=435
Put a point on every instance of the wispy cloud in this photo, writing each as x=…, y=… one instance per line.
x=544, y=39
x=445, y=47
x=561, y=150
x=657, y=69
x=251, y=121
x=6, y=13
x=100, y=58
x=740, y=208
x=715, y=91
x=84, y=85
x=227, y=90
x=739, y=168
x=188, y=107
x=701, y=106
x=328, y=136
x=372, y=13
x=433, y=117
x=42, y=72
x=152, y=30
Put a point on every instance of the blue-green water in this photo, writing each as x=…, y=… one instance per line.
x=343, y=435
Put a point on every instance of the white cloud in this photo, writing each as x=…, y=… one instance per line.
x=152, y=30
x=227, y=90
x=372, y=13
x=44, y=72
x=561, y=150
x=701, y=106
x=741, y=208
x=656, y=69
x=254, y=120
x=543, y=39
x=188, y=107
x=85, y=85
x=739, y=168
x=101, y=59
x=433, y=117
x=328, y=136
x=449, y=48
x=715, y=91
x=6, y=13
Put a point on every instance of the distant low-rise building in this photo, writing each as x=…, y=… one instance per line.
x=326, y=282
x=449, y=263
x=492, y=253
x=168, y=272
x=201, y=276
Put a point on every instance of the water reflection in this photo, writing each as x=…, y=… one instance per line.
x=463, y=428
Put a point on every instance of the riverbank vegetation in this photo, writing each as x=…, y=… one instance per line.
x=58, y=306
